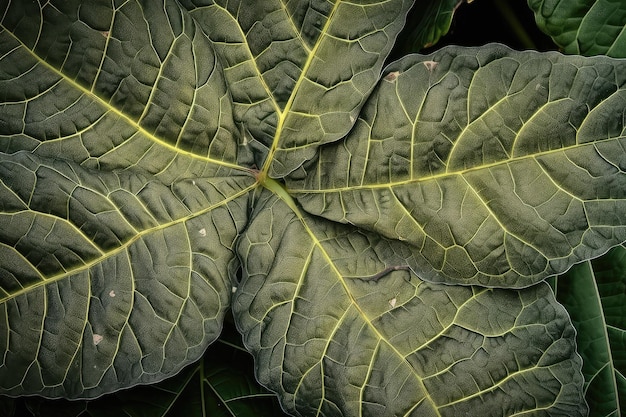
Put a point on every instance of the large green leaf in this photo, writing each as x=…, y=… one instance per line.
x=499, y=167
x=593, y=292
x=586, y=27
x=109, y=278
x=117, y=226
x=354, y=328
x=138, y=142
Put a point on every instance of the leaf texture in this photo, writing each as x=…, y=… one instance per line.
x=210, y=387
x=300, y=82
x=96, y=85
x=152, y=153
x=499, y=167
x=356, y=333
x=109, y=280
x=121, y=196
x=584, y=27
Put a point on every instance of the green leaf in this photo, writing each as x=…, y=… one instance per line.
x=499, y=167
x=433, y=20
x=585, y=27
x=117, y=227
x=354, y=328
x=593, y=293
x=313, y=62
x=123, y=279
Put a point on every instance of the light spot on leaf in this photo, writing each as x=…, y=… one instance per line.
x=97, y=338
x=234, y=289
x=105, y=33
x=430, y=65
x=111, y=293
x=391, y=77
x=202, y=232
x=393, y=302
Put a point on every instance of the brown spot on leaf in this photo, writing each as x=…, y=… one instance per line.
x=430, y=65
x=391, y=77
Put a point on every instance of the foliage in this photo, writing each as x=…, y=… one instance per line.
x=380, y=234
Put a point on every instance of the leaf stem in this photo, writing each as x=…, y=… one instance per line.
x=278, y=189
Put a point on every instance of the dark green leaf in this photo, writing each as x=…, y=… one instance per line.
x=162, y=162
x=594, y=293
x=433, y=20
x=585, y=27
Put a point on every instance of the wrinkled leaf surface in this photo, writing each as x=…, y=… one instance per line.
x=151, y=150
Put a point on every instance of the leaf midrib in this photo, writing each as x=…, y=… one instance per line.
x=448, y=174
x=282, y=115
x=109, y=108
x=124, y=246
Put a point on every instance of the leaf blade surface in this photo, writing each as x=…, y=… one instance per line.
x=499, y=167
x=342, y=338
x=122, y=196
x=593, y=294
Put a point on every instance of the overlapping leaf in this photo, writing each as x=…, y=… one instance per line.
x=585, y=27
x=498, y=167
x=593, y=293
x=434, y=19
x=317, y=63
x=340, y=326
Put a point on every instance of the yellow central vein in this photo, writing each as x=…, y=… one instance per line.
x=305, y=68
x=446, y=174
x=123, y=247
x=293, y=25
x=318, y=244
x=106, y=105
